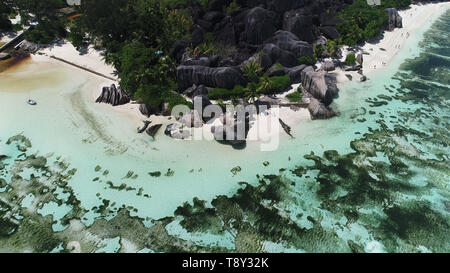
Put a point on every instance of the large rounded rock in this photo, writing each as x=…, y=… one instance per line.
x=282, y=6
x=197, y=35
x=224, y=77
x=319, y=110
x=176, y=131
x=288, y=41
x=273, y=54
x=328, y=66
x=213, y=16
x=295, y=73
x=148, y=110
x=360, y=59
x=259, y=26
x=300, y=24
x=395, y=20
x=330, y=32
x=114, y=96
x=320, y=85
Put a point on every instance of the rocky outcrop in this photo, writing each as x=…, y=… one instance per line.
x=144, y=127
x=176, y=131
x=318, y=110
x=148, y=110
x=191, y=119
x=295, y=73
x=320, y=85
x=114, y=96
x=288, y=41
x=153, y=130
x=285, y=5
x=259, y=26
x=395, y=20
x=330, y=32
x=328, y=66
x=360, y=59
x=299, y=23
x=195, y=91
x=232, y=130
x=272, y=54
x=224, y=77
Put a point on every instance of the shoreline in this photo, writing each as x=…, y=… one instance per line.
x=392, y=42
x=381, y=51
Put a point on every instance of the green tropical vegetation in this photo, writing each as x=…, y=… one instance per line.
x=295, y=97
x=263, y=86
x=136, y=36
x=350, y=59
x=363, y=22
x=5, y=11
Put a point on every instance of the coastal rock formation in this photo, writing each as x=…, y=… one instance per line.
x=144, y=127
x=288, y=41
x=114, y=96
x=153, y=130
x=295, y=73
x=272, y=54
x=395, y=20
x=232, y=130
x=299, y=23
x=328, y=66
x=360, y=59
x=330, y=32
x=259, y=26
x=176, y=131
x=192, y=119
x=318, y=110
x=162, y=109
x=224, y=77
x=320, y=85
x=195, y=91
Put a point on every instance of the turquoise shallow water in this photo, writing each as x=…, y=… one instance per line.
x=374, y=179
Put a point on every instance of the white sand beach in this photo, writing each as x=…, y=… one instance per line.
x=381, y=54
x=378, y=55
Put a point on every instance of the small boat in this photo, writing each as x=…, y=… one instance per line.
x=31, y=102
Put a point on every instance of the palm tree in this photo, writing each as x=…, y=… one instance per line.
x=252, y=92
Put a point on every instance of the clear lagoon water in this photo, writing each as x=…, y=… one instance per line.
x=77, y=177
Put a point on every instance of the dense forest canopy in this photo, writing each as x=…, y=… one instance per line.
x=137, y=37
